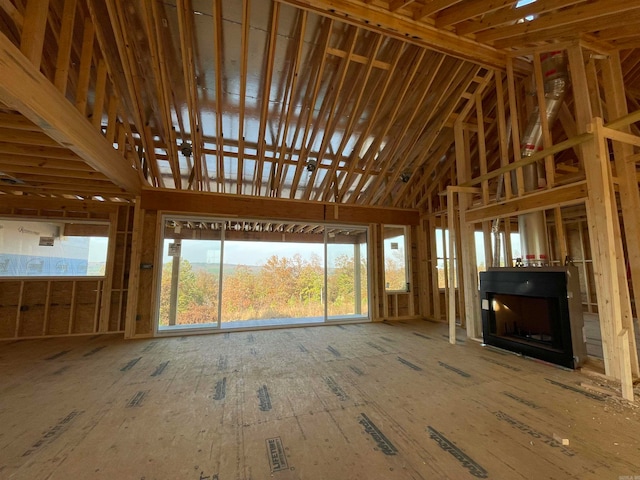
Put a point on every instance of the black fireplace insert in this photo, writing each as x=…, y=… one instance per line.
x=534, y=311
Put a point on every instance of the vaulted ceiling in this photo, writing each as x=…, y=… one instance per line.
x=341, y=101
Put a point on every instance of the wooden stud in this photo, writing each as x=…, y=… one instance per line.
x=451, y=224
x=482, y=149
x=243, y=93
x=84, y=75
x=502, y=135
x=64, y=45
x=19, y=310
x=435, y=287
x=400, y=27
x=264, y=108
x=549, y=162
x=515, y=129
x=157, y=50
x=72, y=309
x=100, y=94
x=279, y=167
x=47, y=307
x=220, y=107
x=625, y=367
x=185, y=20
x=33, y=31
x=628, y=188
x=560, y=233
x=134, y=271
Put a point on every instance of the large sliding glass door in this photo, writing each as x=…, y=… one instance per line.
x=239, y=273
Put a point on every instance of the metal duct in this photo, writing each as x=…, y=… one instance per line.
x=533, y=237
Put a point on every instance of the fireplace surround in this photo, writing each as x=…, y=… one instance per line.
x=534, y=311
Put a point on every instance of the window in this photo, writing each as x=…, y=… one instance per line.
x=396, y=276
x=33, y=248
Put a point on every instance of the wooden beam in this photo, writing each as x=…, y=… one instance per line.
x=564, y=28
x=558, y=147
x=272, y=208
x=26, y=90
x=629, y=196
x=511, y=15
x=573, y=194
x=396, y=25
x=43, y=162
x=398, y=4
x=596, y=10
x=613, y=294
x=75, y=208
x=472, y=8
x=434, y=6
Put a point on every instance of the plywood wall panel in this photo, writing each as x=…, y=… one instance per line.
x=84, y=318
x=33, y=309
x=9, y=298
x=60, y=308
x=114, y=311
x=146, y=292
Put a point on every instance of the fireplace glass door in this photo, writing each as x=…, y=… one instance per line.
x=533, y=320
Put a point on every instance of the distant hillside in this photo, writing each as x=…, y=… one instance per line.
x=214, y=268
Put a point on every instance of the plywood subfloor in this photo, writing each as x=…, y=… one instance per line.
x=368, y=401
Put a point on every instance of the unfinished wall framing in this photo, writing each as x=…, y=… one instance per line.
x=589, y=183
x=58, y=306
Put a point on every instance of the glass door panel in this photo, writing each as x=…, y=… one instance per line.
x=347, y=273
x=191, y=265
x=270, y=279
